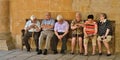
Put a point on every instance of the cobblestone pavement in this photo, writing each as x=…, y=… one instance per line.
x=23, y=55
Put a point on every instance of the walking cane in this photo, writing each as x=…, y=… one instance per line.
x=77, y=42
x=32, y=38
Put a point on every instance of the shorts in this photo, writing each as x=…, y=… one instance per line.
x=108, y=38
x=93, y=38
x=75, y=35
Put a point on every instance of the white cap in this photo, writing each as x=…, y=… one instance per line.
x=59, y=17
x=32, y=17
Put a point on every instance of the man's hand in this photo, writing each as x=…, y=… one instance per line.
x=103, y=37
x=60, y=37
x=32, y=26
x=46, y=26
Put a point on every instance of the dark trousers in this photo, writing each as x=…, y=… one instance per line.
x=27, y=37
x=55, y=40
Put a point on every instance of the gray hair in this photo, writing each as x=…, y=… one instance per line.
x=59, y=17
x=78, y=13
x=32, y=17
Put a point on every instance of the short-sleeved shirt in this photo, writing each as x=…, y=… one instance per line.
x=77, y=31
x=61, y=27
x=90, y=27
x=48, y=22
x=29, y=23
x=102, y=27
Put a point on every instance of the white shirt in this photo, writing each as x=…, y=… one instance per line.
x=103, y=20
x=29, y=23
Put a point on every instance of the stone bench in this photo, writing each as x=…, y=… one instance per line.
x=112, y=43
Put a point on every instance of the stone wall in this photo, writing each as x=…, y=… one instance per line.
x=5, y=35
x=22, y=9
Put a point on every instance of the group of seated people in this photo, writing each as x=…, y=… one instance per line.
x=82, y=32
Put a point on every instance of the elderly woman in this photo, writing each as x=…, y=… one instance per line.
x=32, y=26
x=77, y=32
x=104, y=33
x=60, y=30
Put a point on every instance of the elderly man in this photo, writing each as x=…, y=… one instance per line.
x=60, y=30
x=47, y=27
x=31, y=26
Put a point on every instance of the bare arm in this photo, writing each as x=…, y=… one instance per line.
x=47, y=26
x=73, y=27
x=56, y=33
x=96, y=29
x=107, y=31
x=84, y=31
x=37, y=28
x=65, y=33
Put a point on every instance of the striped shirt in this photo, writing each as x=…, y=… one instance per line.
x=90, y=27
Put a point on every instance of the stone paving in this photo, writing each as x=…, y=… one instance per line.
x=23, y=55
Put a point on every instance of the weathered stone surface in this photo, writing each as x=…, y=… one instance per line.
x=66, y=57
x=104, y=57
x=96, y=57
x=21, y=9
x=78, y=57
x=4, y=16
x=23, y=55
x=5, y=36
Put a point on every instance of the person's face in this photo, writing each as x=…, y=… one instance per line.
x=78, y=17
x=90, y=19
x=48, y=16
x=102, y=17
x=33, y=19
x=60, y=21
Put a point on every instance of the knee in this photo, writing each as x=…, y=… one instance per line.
x=94, y=44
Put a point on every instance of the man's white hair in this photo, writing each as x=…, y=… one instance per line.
x=32, y=17
x=59, y=17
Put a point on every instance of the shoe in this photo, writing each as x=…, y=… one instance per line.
x=100, y=53
x=62, y=52
x=81, y=53
x=72, y=53
x=28, y=50
x=39, y=52
x=37, y=49
x=108, y=54
x=55, y=52
x=45, y=52
x=93, y=54
x=86, y=54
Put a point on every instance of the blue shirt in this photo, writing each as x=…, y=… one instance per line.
x=48, y=22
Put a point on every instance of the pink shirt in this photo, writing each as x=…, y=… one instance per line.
x=61, y=27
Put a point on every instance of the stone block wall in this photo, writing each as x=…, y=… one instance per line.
x=22, y=9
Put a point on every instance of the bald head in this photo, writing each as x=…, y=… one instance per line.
x=32, y=17
x=48, y=15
